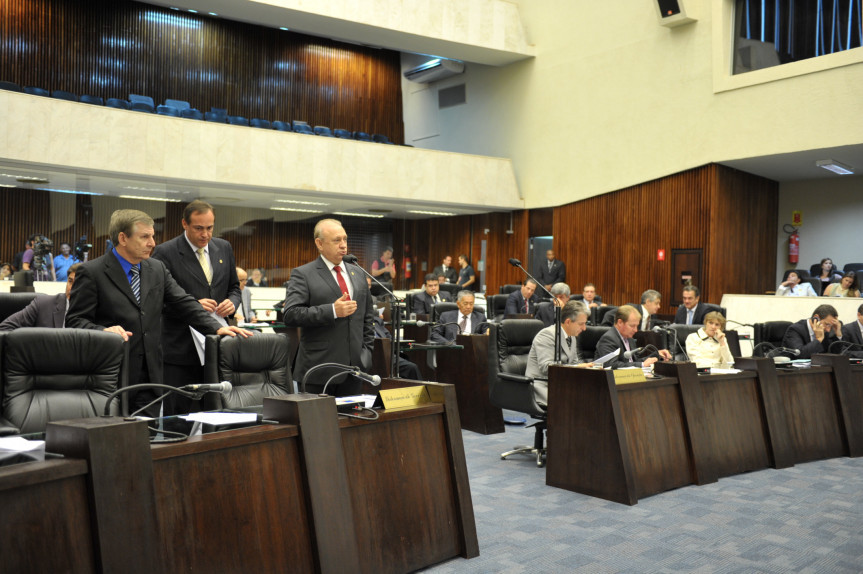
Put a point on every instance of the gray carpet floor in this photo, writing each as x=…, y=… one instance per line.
x=806, y=519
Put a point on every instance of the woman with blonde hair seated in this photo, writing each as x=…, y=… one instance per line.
x=849, y=286
x=708, y=347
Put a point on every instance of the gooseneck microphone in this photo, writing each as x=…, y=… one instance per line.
x=514, y=262
x=632, y=353
x=223, y=387
x=350, y=258
x=373, y=379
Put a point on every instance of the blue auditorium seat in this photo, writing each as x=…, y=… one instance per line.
x=34, y=91
x=144, y=99
x=343, y=134
x=238, y=121
x=215, y=117
x=64, y=95
x=168, y=111
x=94, y=100
x=191, y=114
x=323, y=131
x=380, y=138
x=179, y=104
x=259, y=123
x=303, y=129
x=141, y=107
x=118, y=103
x=282, y=126
x=362, y=136
x=10, y=86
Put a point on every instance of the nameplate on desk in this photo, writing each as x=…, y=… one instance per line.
x=404, y=397
x=626, y=376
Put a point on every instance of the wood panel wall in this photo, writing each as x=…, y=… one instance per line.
x=612, y=240
x=112, y=48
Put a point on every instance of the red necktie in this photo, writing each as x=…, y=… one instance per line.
x=526, y=308
x=342, y=285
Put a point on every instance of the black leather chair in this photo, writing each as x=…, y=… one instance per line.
x=496, y=306
x=676, y=341
x=603, y=316
x=257, y=367
x=721, y=310
x=588, y=340
x=507, y=289
x=58, y=374
x=450, y=288
x=855, y=267
x=508, y=348
x=439, y=308
x=11, y=303
x=771, y=332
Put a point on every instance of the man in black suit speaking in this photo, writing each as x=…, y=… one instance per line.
x=203, y=266
x=125, y=292
x=330, y=301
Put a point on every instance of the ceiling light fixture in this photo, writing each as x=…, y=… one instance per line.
x=835, y=166
x=73, y=191
x=375, y=216
x=421, y=212
x=295, y=209
x=145, y=198
x=294, y=201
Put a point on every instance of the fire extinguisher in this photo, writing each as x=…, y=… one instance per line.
x=407, y=268
x=793, y=247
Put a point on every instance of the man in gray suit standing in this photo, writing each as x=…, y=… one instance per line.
x=203, y=266
x=330, y=301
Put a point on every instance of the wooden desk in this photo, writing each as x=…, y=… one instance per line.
x=317, y=493
x=467, y=370
x=624, y=442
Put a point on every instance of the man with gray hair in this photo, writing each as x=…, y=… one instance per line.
x=126, y=292
x=464, y=321
x=545, y=313
x=573, y=322
x=650, y=302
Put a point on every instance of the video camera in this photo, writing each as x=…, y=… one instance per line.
x=82, y=248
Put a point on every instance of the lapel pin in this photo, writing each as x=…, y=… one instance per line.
x=352, y=272
x=220, y=261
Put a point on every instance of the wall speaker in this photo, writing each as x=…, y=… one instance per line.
x=672, y=13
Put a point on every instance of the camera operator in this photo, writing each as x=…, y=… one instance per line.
x=38, y=258
x=64, y=261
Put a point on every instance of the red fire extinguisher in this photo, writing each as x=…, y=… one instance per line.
x=793, y=247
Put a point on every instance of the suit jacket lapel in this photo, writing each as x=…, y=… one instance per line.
x=59, y=314
x=327, y=277
x=189, y=260
x=148, y=280
x=114, y=271
x=357, y=279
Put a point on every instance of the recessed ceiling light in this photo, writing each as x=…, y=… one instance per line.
x=193, y=11
x=213, y=14
x=147, y=198
x=375, y=216
x=296, y=209
x=296, y=202
x=421, y=212
x=283, y=28
x=835, y=166
x=74, y=191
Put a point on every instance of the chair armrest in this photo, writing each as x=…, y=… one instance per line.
x=515, y=378
x=7, y=428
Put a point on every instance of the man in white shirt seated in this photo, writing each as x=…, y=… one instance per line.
x=792, y=287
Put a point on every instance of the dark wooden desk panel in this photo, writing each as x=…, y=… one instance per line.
x=467, y=370
x=813, y=412
x=657, y=436
x=420, y=335
x=46, y=518
x=848, y=381
x=234, y=502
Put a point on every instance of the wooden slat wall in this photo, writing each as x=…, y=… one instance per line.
x=612, y=240
x=112, y=48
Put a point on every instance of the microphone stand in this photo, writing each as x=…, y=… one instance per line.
x=189, y=394
x=517, y=263
x=396, y=306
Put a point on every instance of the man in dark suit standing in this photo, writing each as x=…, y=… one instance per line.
x=523, y=301
x=44, y=310
x=423, y=301
x=692, y=311
x=203, y=266
x=853, y=333
x=551, y=271
x=816, y=334
x=330, y=301
x=626, y=322
x=126, y=292
x=464, y=321
x=445, y=272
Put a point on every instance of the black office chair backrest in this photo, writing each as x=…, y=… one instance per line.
x=451, y=288
x=588, y=340
x=497, y=304
x=678, y=342
x=439, y=308
x=257, y=367
x=59, y=374
x=409, y=302
x=711, y=308
x=11, y=303
x=507, y=289
x=604, y=315
x=514, y=339
x=855, y=267
x=770, y=332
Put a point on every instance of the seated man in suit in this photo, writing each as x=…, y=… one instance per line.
x=650, y=303
x=793, y=287
x=561, y=293
x=463, y=321
x=816, y=334
x=573, y=322
x=523, y=301
x=591, y=299
x=431, y=294
x=244, y=313
x=626, y=322
x=551, y=271
x=445, y=272
x=692, y=311
x=853, y=333
x=44, y=310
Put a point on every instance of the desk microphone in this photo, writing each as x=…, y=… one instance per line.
x=373, y=379
x=632, y=353
x=350, y=258
x=223, y=387
x=778, y=350
x=425, y=323
x=847, y=345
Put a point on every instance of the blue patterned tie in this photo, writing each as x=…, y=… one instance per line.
x=136, y=282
